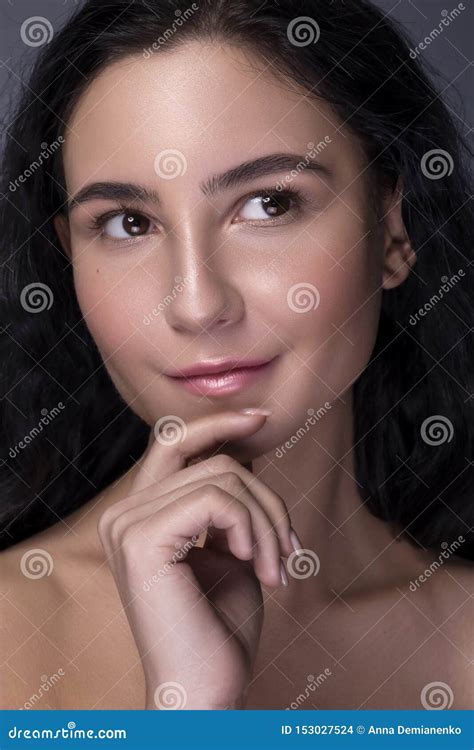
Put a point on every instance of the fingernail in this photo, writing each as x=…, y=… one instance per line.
x=256, y=411
x=284, y=577
x=297, y=546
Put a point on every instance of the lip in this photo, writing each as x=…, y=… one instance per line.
x=210, y=367
x=221, y=378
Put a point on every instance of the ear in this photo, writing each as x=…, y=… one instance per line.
x=61, y=225
x=399, y=256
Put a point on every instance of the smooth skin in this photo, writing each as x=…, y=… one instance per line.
x=220, y=624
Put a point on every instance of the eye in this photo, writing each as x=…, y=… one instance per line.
x=270, y=205
x=125, y=225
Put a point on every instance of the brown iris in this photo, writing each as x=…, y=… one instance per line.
x=135, y=224
x=274, y=204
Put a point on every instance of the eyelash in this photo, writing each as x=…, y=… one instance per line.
x=300, y=201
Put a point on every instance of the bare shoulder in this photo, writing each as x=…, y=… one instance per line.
x=63, y=621
x=29, y=594
x=452, y=597
x=442, y=605
x=458, y=589
x=417, y=637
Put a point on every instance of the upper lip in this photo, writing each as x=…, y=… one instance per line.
x=211, y=367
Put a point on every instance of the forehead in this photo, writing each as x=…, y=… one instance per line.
x=214, y=104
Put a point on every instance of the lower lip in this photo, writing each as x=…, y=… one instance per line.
x=224, y=383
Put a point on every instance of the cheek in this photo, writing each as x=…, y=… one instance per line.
x=332, y=298
x=113, y=305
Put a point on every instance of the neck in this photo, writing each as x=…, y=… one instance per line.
x=328, y=509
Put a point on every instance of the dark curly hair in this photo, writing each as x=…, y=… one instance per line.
x=413, y=405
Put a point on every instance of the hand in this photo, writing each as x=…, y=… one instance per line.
x=196, y=612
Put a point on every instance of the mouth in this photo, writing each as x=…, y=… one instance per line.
x=224, y=382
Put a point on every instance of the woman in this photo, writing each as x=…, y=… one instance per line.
x=237, y=189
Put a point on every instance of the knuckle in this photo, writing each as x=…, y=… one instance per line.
x=285, y=521
x=281, y=527
x=132, y=540
x=221, y=463
x=212, y=492
x=268, y=536
x=231, y=482
x=116, y=527
x=245, y=513
x=104, y=523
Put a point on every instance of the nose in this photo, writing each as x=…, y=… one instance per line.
x=203, y=300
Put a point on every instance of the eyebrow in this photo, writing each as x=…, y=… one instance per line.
x=243, y=173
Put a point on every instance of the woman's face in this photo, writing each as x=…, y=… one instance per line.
x=238, y=270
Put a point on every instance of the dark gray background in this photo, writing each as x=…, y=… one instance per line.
x=451, y=52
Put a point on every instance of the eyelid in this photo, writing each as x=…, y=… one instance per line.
x=300, y=201
x=98, y=222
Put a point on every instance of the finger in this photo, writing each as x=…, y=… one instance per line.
x=179, y=593
x=266, y=545
x=168, y=454
x=176, y=523
x=273, y=504
x=266, y=542
x=215, y=538
x=213, y=468
x=216, y=507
